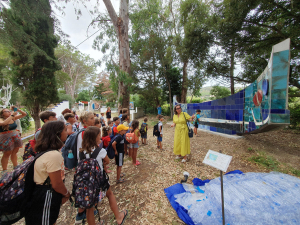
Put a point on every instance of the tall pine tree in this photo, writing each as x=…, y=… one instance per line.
x=29, y=31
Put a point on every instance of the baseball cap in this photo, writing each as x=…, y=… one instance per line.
x=122, y=127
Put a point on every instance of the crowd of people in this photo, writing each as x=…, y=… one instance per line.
x=92, y=132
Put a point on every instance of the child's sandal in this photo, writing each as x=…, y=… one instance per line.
x=121, y=180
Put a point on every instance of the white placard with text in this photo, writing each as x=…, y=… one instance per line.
x=217, y=160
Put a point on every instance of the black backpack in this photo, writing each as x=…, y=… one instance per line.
x=156, y=131
x=16, y=188
x=143, y=130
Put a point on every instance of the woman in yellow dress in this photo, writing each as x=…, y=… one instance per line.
x=181, y=137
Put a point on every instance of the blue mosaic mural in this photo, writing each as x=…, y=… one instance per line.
x=260, y=107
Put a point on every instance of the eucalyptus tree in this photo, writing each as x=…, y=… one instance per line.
x=78, y=70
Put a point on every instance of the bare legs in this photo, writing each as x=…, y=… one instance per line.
x=134, y=154
x=90, y=217
x=114, y=206
x=13, y=156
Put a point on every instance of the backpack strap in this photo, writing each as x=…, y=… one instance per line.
x=95, y=153
x=81, y=156
x=92, y=156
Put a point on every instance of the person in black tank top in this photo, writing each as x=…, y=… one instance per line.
x=108, y=114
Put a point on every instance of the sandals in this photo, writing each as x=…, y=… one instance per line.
x=125, y=217
x=137, y=163
x=122, y=175
x=178, y=157
x=121, y=180
x=183, y=160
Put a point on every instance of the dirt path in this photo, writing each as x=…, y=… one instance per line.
x=143, y=192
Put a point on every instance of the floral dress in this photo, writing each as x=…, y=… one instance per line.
x=181, y=137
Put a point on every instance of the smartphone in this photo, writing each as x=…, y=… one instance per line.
x=15, y=109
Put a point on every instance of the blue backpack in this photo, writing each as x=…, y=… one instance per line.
x=69, y=151
x=110, y=150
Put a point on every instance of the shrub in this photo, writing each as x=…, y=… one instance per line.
x=166, y=110
x=25, y=121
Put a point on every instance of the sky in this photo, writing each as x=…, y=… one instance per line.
x=77, y=30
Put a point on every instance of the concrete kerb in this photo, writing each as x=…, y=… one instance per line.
x=216, y=133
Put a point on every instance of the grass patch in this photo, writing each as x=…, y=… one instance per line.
x=295, y=172
x=266, y=161
x=250, y=150
x=272, y=164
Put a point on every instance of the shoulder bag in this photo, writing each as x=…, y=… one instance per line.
x=191, y=133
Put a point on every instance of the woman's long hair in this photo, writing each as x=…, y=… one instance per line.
x=134, y=125
x=89, y=139
x=49, y=138
x=5, y=127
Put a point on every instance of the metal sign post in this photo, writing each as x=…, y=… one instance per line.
x=222, y=194
x=219, y=161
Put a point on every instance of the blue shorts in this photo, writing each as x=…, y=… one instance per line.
x=135, y=145
x=144, y=136
x=159, y=138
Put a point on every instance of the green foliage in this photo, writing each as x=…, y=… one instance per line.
x=173, y=76
x=294, y=107
x=110, y=104
x=82, y=72
x=266, y=161
x=194, y=100
x=62, y=96
x=83, y=96
x=29, y=30
x=219, y=92
x=25, y=121
x=141, y=101
x=166, y=109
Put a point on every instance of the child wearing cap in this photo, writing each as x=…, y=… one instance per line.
x=118, y=146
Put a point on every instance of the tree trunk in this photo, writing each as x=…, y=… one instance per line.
x=191, y=99
x=121, y=27
x=232, y=70
x=35, y=111
x=170, y=98
x=184, y=83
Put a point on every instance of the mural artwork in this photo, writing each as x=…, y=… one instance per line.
x=260, y=107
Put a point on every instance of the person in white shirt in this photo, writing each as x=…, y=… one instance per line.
x=91, y=140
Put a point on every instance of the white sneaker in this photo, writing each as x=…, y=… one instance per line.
x=178, y=157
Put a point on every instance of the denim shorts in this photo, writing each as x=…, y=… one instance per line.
x=159, y=138
x=135, y=145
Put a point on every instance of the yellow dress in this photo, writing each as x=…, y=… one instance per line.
x=181, y=137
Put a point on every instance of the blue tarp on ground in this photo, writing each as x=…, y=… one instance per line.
x=178, y=189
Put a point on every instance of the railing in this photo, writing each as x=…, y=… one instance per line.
x=27, y=137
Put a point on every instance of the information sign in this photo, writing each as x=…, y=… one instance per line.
x=217, y=160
